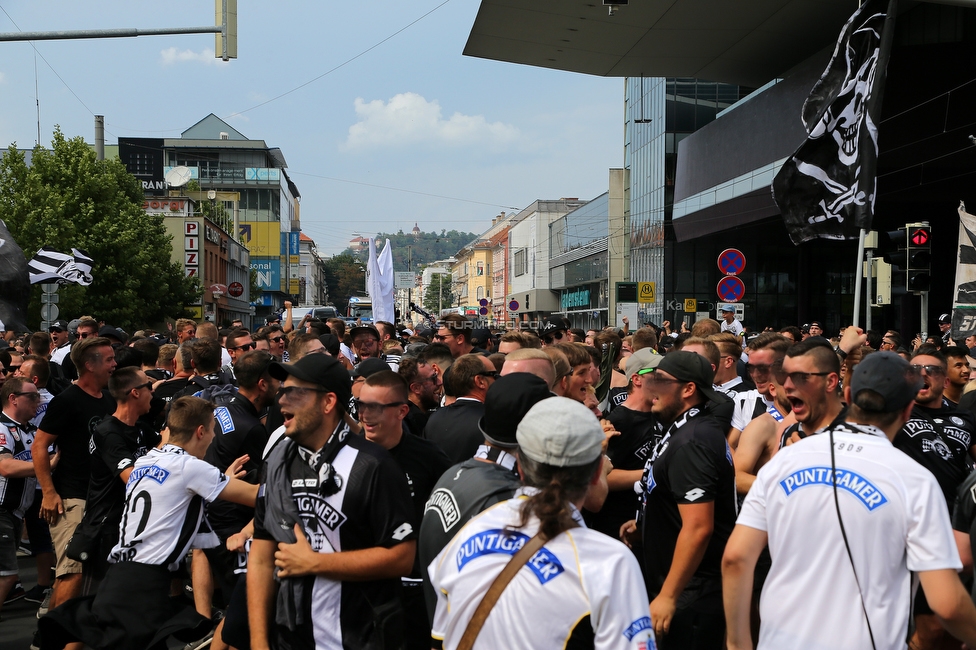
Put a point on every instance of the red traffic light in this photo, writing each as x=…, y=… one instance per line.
x=920, y=237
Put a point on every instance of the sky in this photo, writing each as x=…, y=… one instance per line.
x=380, y=129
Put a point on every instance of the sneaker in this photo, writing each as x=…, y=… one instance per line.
x=45, y=604
x=36, y=594
x=24, y=550
x=201, y=643
x=16, y=593
x=36, y=643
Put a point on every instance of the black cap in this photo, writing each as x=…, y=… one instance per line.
x=945, y=319
x=116, y=333
x=479, y=336
x=691, y=366
x=553, y=324
x=319, y=369
x=60, y=325
x=331, y=343
x=815, y=322
x=364, y=328
x=507, y=401
x=369, y=367
x=888, y=375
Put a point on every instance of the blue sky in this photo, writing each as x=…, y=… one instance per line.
x=412, y=113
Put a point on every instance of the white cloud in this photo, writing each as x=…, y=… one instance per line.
x=171, y=55
x=408, y=119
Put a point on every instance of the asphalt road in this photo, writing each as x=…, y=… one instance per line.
x=19, y=619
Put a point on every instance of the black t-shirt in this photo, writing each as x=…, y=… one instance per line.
x=238, y=431
x=416, y=419
x=628, y=451
x=115, y=447
x=166, y=392
x=454, y=429
x=72, y=417
x=695, y=467
x=939, y=439
x=964, y=513
x=423, y=463
x=617, y=396
x=464, y=490
x=372, y=508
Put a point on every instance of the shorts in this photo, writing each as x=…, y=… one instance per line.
x=37, y=531
x=9, y=538
x=61, y=533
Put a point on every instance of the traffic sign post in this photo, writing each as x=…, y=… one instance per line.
x=731, y=261
x=646, y=292
x=730, y=289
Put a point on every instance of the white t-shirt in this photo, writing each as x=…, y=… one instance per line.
x=745, y=407
x=164, y=509
x=735, y=326
x=896, y=521
x=580, y=578
x=59, y=353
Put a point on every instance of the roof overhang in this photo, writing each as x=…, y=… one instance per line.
x=745, y=43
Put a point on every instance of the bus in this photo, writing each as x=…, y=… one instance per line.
x=360, y=309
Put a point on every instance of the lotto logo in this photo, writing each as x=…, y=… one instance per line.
x=402, y=531
x=694, y=495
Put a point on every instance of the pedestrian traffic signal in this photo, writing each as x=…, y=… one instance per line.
x=918, y=270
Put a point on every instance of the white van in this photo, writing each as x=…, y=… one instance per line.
x=318, y=312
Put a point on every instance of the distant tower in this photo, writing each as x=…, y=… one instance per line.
x=416, y=230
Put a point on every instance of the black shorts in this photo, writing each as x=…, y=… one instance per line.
x=9, y=539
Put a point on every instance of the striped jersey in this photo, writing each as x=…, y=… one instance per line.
x=16, y=494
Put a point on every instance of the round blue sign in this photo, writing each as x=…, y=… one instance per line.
x=513, y=305
x=731, y=261
x=730, y=289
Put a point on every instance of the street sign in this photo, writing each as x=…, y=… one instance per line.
x=737, y=307
x=630, y=310
x=513, y=305
x=49, y=311
x=50, y=287
x=405, y=280
x=483, y=302
x=483, y=311
x=646, y=292
x=731, y=261
x=691, y=305
x=51, y=298
x=235, y=289
x=730, y=289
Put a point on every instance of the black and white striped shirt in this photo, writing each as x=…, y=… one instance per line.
x=16, y=494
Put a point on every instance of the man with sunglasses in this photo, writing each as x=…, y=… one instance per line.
x=847, y=517
x=61, y=340
x=117, y=442
x=454, y=330
x=765, y=351
x=238, y=342
x=554, y=330
x=19, y=398
x=454, y=428
x=689, y=506
x=810, y=377
x=382, y=407
x=337, y=580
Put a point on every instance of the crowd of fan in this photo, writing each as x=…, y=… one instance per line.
x=401, y=435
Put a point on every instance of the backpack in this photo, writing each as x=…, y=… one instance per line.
x=217, y=393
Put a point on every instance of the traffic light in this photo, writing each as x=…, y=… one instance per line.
x=918, y=276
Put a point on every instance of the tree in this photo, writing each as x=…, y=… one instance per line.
x=421, y=250
x=438, y=294
x=345, y=277
x=66, y=198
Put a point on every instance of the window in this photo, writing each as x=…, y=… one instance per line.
x=481, y=268
x=465, y=271
x=481, y=293
x=521, y=262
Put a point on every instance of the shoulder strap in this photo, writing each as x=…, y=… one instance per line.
x=497, y=587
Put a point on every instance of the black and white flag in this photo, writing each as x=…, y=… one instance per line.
x=827, y=188
x=964, y=305
x=48, y=265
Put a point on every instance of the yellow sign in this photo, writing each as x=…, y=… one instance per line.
x=196, y=312
x=691, y=305
x=646, y=292
x=293, y=286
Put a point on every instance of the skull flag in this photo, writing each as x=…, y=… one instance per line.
x=826, y=189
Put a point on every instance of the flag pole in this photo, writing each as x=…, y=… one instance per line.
x=858, y=276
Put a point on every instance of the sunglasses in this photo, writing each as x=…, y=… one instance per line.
x=799, y=379
x=298, y=391
x=11, y=369
x=366, y=408
x=29, y=394
x=246, y=346
x=493, y=374
x=148, y=385
x=931, y=370
x=85, y=335
x=276, y=339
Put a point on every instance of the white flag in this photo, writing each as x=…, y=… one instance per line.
x=381, y=282
x=48, y=265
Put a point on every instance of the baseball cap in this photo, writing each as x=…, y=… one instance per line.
x=888, y=375
x=331, y=343
x=73, y=325
x=319, y=369
x=815, y=323
x=60, y=325
x=560, y=432
x=369, y=367
x=116, y=333
x=507, y=401
x=728, y=308
x=945, y=319
x=364, y=328
x=693, y=367
x=642, y=359
x=553, y=324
